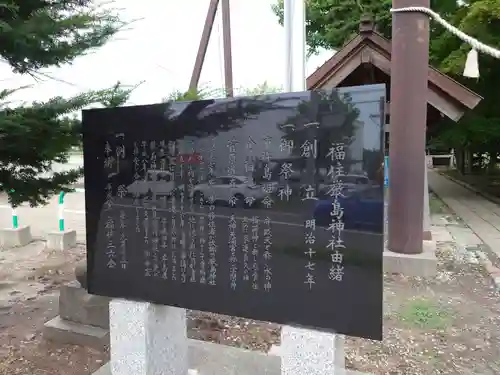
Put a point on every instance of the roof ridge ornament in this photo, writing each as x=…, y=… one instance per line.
x=366, y=24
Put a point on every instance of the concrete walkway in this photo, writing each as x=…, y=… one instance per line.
x=479, y=214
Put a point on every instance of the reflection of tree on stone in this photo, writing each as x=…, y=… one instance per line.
x=213, y=117
x=372, y=162
x=336, y=118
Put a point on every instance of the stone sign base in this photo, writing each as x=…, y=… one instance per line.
x=67, y=332
x=421, y=265
x=83, y=318
x=61, y=240
x=206, y=358
x=14, y=237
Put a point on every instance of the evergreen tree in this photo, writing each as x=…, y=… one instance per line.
x=37, y=34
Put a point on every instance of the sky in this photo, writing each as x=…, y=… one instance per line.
x=160, y=47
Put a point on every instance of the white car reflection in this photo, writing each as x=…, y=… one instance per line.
x=157, y=183
x=237, y=191
x=351, y=183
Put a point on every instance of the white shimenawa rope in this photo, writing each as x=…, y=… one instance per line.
x=471, y=64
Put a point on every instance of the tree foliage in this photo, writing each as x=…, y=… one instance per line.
x=34, y=137
x=37, y=34
x=479, y=130
x=332, y=23
x=328, y=107
x=203, y=103
x=216, y=93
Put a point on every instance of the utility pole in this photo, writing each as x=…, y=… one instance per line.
x=205, y=38
x=202, y=49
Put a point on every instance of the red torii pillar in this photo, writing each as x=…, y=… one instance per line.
x=409, y=76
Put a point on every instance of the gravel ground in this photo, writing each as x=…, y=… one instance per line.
x=444, y=325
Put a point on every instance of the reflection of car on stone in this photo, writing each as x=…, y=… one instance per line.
x=362, y=210
x=233, y=190
x=350, y=182
x=355, y=181
x=156, y=183
x=278, y=175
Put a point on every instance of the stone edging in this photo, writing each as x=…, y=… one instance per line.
x=492, y=270
x=471, y=188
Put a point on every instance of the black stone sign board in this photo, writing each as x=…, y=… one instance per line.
x=267, y=207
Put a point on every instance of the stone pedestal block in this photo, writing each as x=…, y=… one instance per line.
x=13, y=237
x=83, y=318
x=206, y=358
x=76, y=305
x=61, y=240
x=81, y=273
x=306, y=351
x=421, y=265
x=67, y=332
x=147, y=339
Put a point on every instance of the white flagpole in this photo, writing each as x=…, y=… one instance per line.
x=294, y=12
x=304, y=351
x=287, y=22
